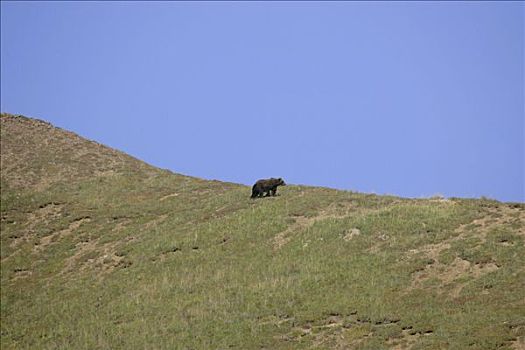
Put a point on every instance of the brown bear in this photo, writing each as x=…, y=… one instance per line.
x=266, y=185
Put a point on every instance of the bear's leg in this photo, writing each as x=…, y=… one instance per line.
x=255, y=192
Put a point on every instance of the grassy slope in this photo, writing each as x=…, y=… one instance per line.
x=135, y=257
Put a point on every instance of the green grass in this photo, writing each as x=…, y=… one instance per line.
x=201, y=270
x=149, y=259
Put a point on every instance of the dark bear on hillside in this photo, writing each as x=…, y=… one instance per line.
x=266, y=185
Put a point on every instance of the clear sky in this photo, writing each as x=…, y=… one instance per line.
x=412, y=99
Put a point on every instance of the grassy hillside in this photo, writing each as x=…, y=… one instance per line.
x=101, y=251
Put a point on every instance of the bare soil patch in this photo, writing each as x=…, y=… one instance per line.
x=38, y=218
x=168, y=196
x=518, y=344
x=92, y=256
x=47, y=240
x=449, y=273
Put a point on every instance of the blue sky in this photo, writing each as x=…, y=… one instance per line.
x=413, y=99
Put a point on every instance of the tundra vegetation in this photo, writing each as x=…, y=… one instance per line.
x=101, y=251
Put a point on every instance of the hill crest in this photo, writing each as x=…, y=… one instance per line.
x=36, y=154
